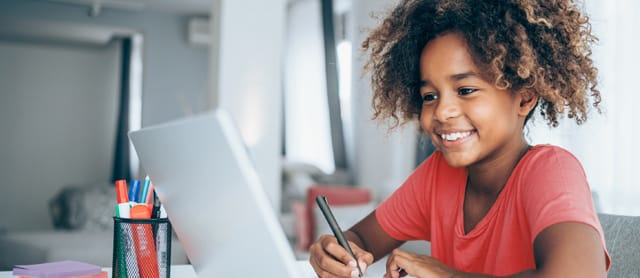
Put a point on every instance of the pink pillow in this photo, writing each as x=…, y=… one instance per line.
x=302, y=224
x=337, y=195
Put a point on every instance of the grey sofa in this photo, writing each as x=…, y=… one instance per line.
x=82, y=217
x=622, y=234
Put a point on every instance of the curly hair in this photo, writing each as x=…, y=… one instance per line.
x=541, y=46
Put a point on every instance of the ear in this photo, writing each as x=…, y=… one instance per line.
x=528, y=101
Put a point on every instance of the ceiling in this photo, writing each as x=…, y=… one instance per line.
x=172, y=6
x=339, y=6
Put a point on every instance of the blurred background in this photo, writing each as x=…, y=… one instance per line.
x=77, y=75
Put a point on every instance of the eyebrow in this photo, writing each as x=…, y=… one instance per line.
x=455, y=77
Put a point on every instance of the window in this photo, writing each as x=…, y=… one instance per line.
x=607, y=144
x=310, y=134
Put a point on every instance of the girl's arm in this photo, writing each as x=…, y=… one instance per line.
x=369, y=236
x=568, y=249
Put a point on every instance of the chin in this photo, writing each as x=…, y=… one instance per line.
x=457, y=160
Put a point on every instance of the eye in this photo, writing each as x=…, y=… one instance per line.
x=466, y=91
x=429, y=97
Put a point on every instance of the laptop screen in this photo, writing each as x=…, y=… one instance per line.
x=214, y=198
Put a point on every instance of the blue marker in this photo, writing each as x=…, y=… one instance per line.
x=145, y=190
x=134, y=192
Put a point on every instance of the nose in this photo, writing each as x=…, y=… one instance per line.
x=446, y=108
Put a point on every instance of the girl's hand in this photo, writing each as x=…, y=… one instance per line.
x=401, y=263
x=329, y=259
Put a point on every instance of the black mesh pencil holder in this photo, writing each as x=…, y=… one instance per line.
x=141, y=248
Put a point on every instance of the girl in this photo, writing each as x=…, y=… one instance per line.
x=472, y=72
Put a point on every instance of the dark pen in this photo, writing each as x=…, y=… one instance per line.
x=155, y=211
x=328, y=215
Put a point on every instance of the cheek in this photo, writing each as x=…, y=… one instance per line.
x=493, y=117
x=426, y=123
x=426, y=119
x=482, y=112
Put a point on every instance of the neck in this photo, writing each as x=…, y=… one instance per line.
x=489, y=176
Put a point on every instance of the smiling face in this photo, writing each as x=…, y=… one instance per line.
x=467, y=117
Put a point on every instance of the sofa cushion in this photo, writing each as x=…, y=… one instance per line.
x=87, y=207
x=622, y=235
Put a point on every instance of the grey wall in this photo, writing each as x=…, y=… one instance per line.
x=54, y=132
x=175, y=83
x=175, y=73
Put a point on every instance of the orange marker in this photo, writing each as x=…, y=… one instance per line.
x=144, y=243
x=140, y=211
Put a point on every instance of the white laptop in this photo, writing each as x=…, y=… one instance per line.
x=214, y=198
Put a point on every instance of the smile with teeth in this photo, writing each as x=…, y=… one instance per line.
x=455, y=135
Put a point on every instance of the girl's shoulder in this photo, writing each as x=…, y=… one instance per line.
x=548, y=162
x=546, y=153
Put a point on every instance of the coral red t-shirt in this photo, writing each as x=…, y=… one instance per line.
x=548, y=186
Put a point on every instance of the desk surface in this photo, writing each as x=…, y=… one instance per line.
x=186, y=271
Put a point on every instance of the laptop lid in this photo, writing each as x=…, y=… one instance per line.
x=213, y=197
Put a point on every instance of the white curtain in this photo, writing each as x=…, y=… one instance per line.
x=307, y=135
x=608, y=145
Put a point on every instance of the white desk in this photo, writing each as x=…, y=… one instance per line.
x=178, y=271
x=186, y=271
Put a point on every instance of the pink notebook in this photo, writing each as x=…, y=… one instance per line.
x=63, y=269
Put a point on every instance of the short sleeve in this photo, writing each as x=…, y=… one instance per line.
x=404, y=215
x=556, y=190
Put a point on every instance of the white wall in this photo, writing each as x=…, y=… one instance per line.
x=250, y=43
x=606, y=144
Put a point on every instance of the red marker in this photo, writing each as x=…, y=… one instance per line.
x=122, y=210
x=149, y=199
